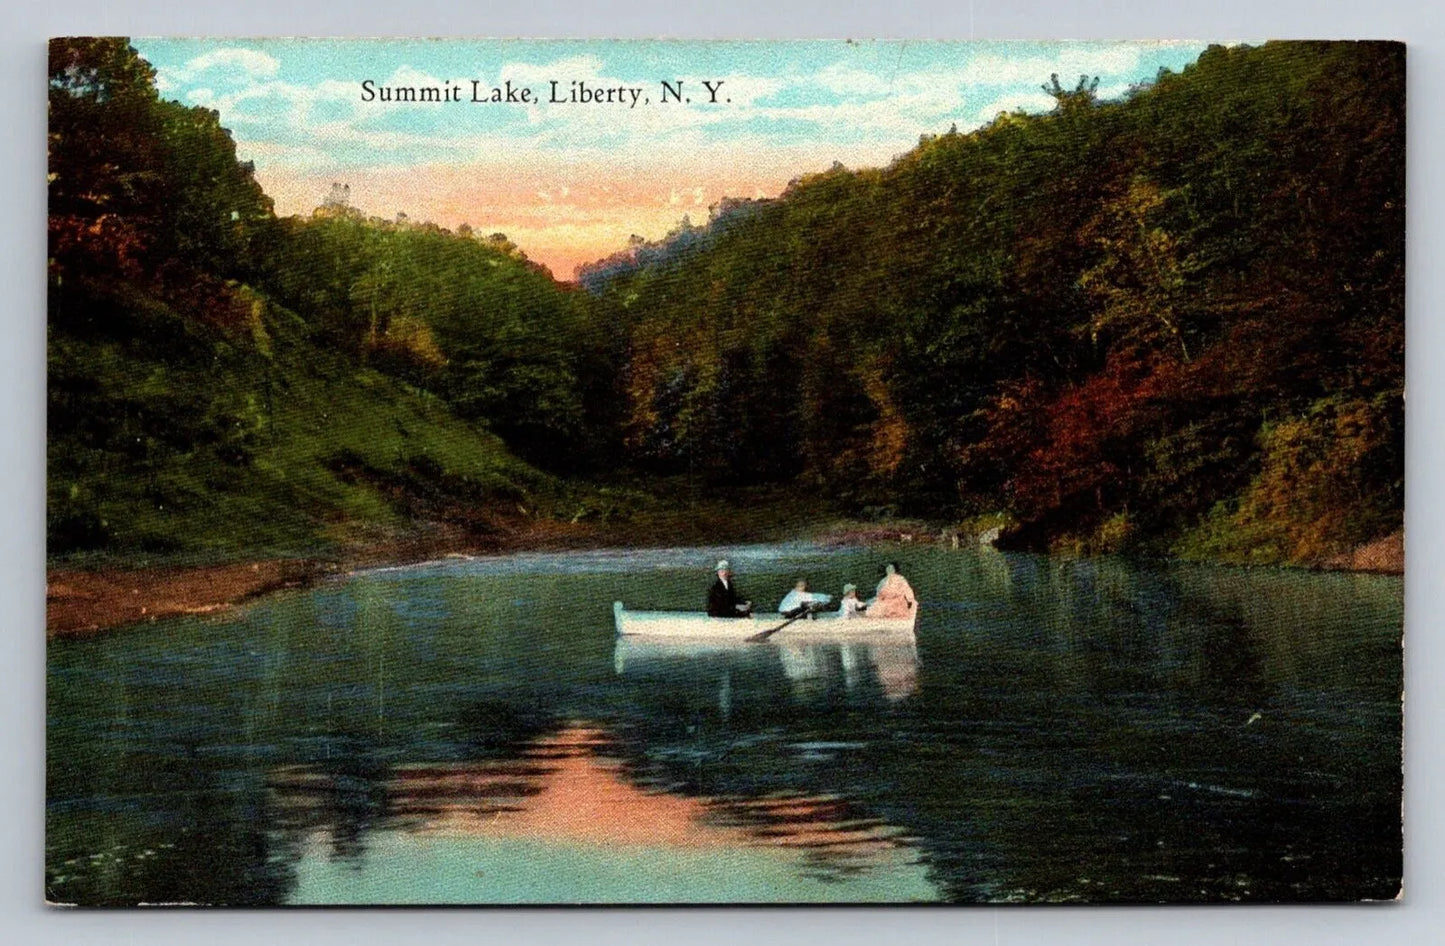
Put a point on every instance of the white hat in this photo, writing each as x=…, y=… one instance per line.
x=849, y=587
x=722, y=566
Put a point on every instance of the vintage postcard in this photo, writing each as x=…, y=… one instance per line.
x=618, y=472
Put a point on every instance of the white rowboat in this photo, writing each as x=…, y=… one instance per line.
x=696, y=625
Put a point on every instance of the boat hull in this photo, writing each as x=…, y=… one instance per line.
x=697, y=626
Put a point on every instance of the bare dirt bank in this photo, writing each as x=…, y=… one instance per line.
x=82, y=602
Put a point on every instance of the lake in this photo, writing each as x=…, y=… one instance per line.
x=470, y=731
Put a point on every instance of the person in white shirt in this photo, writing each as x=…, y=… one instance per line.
x=850, y=606
x=800, y=599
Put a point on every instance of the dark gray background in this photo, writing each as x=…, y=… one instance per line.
x=23, y=918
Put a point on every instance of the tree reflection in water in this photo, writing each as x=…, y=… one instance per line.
x=572, y=788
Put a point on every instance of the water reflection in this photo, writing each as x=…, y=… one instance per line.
x=572, y=796
x=1064, y=730
x=812, y=670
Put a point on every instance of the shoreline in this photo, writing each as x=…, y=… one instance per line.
x=81, y=601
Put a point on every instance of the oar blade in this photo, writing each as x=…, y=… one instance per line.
x=764, y=635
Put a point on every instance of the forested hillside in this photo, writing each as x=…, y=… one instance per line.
x=1170, y=323
x=223, y=382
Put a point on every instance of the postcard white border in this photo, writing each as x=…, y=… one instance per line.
x=22, y=442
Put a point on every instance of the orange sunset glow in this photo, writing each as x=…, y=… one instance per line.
x=565, y=787
x=561, y=215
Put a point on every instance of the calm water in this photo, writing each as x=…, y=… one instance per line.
x=470, y=732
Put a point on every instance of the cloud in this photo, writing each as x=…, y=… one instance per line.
x=847, y=80
x=326, y=124
x=840, y=108
x=1033, y=102
x=909, y=102
x=1118, y=90
x=900, y=118
x=228, y=63
x=1068, y=62
x=537, y=75
x=276, y=153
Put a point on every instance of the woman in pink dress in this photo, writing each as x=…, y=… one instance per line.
x=895, y=596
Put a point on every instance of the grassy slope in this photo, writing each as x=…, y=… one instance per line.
x=184, y=441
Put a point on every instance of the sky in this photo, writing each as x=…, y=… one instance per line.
x=571, y=181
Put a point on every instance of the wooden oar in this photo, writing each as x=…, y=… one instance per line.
x=761, y=636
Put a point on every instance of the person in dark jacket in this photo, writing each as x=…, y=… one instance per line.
x=723, y=598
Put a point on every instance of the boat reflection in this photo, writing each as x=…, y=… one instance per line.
x=810, y=668
x=573, y=791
